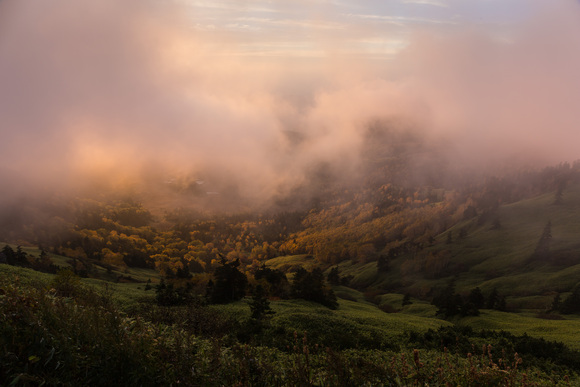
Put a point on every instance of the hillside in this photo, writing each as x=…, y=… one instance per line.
x=497, y=252
x=369, y=272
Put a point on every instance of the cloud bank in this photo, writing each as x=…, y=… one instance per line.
x=124, y=92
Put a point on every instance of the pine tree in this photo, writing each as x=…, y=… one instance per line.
x=230, y=283
x=492, y=299
x=556, y=303
x=9, y=254
x=476, y=298
x=448, y=302
x=310, y=286
x=260, y=305
x=572, y=303
x=333, y=276
x=383, y=264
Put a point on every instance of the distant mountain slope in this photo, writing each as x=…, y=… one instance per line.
x=503, y=249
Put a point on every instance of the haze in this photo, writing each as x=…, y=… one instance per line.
x=261, y=92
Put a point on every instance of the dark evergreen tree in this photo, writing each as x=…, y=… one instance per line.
x=183, y=272
x=260, y=305
x=571, y=304
x=476, y=298
x=383, y=264
x=310, y=286
x=279, y=285
x=21, y=257
x=166, y=294
x=209, y=291
x=556, y=303
x=468, y=309
x=448, y=302
x=492, y=299
x=333, y=276
x=9, y=254
x=501, y=304
x=229, y=283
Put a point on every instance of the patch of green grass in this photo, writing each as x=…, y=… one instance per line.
x=347, y=293
x=25, y=275
x=565, y=330
x=290, y=263
x=126, y=294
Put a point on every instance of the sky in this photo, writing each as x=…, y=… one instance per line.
x=376, y=29
x=260, y=92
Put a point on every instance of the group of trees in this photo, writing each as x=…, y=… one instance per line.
x=228, y=284
x=449, y=303
x=20, y=258
x=311, y=286
x=570, y=305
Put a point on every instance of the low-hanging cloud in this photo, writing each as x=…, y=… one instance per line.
x=122, y=91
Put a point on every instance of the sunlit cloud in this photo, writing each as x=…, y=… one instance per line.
x=403, y=20
x=427, y=2
x=255, y=100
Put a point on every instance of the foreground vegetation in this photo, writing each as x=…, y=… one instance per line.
x=55, y=330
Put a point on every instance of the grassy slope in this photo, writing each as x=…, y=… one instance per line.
x=500, y=258
x=496, y=258
x=354, y=320
x=490, y=258
x=127, y=294
x=565, y=331
x=291, y=263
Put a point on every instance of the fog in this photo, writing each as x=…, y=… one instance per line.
x=104, y=94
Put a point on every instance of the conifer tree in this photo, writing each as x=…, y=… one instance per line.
x=333, y=276
x=572, y=303
x=476, y=298
x=229, y=283
x=492, y=299
x=260, y=305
